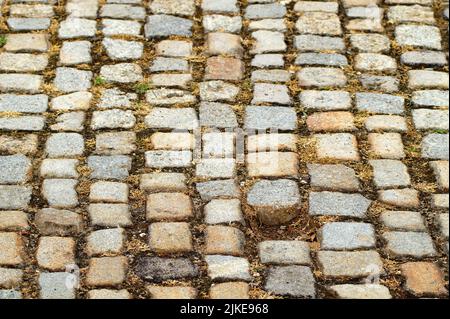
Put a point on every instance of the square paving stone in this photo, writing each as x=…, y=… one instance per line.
x=338, y=204
x=164, y=159
x=77, y=28
x=386, y=145
x=105, y=241
x=166, y=25
x=271, y=93
x=425, y=119
x=122, y=50
x=293, y=281
x=54, y=286
x=268, y=42
x=229, y=290
x=115, y=143
x=112, y=27
x=221, y=68
x=357, y=264
x=389, y=123
x=218, y=22
x=110, y=215
x=408, y=198
x=169, y=207
x=13, y=221
x=418, y=36
x=325, y=100
x=333, y=177
x=218, y=189
x=163, y=182
x=339, y=146
x=403, y=220
x=347, y=236
x=111, y=192
x=55, y=253
x=228, y=268
x=218, y=145
x=320, y=23
x=113, y=119
x=170, y=293
x=55, y=222
x=174, y=48
x=71, y=102
x=276, y=202
x=177, y=119
x=440, y=169
x=172, y=141
x=115, y=167
x=14, y=169
x=223, y=240
x=14, y=197
x=409, y=244
x=121, y=73
x=70, y=80
x=107, y=271
x=331, y=122
x=284, y=252
x=424, y=278
x=390, y=174
x=370, y=42
x=435, y=146
x=223, y=211
x=440, y=201
x=220, y=43
x=10, y=278
x=272, y=164
x=321, y=77
x=60, y=193
x=157, y=269
x=319, y=43
x=380, y=103
x=12, y=249
x=365, y=291
x=270, y=117
x=170, y=238
x=76, y=52
x=64, y=145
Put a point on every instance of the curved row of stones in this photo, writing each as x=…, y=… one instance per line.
x=122, y=125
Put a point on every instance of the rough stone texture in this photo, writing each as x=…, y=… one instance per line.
x=333, y=177
x=423, y=278
x=53, y=222
x=350, y=264
x=339, y=146
x=228, y=268
x=435, y=146
x=409, y=244
x=106, y=271
x=53, y=286
x=12, y=249
x=390, y=174
x=229, y=290
x=157, y=269
x=15, y=169
x=407, y=198
x=121, y=73
x=180, y=207
x=347, y=236
x=55, y=253
x=13, y=221
x=276, y=202
x=365, y=291
x=338, y=204
x=284, y=252
x=166, y=25
x=170, y=238
x=294, y=281
x=223, y=211
x=168, y=293
x=403, y=220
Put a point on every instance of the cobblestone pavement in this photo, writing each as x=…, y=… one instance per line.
x=224, y=149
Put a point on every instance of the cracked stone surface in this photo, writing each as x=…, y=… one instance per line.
x=224, y=149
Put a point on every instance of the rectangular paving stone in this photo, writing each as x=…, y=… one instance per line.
x=14, y=197
x=350, y=264
x=380, y=103
x=105, y=241
x=155, y=269
x=28, y=24
x=294, y=281
x=413, y=244
x=288, y=252
x=12, y=249
x=403, y=220
x=28, y=83
x=160, y=159
x=53, y=286
x=338, y=204
x=364, y=291
x=25, y=42
x=14, y=169
x=424, y=79
x=107, y=271
x=333, y=177
x=56, y=222
x=166, y=25
x=10, y=278
x=22, y=62
x=390, y=174
x=325, y=100
x=222, y=211
x=163, y=182
x=114, y=167
x=319, y=43
x=347, y=236
x=175, y=207
x=218, y=189
x=110, y=215
x=266, y=117
x=228, y=268
x=430, y=98
x=23, y=103
x=13, y=221
x=435, y=146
